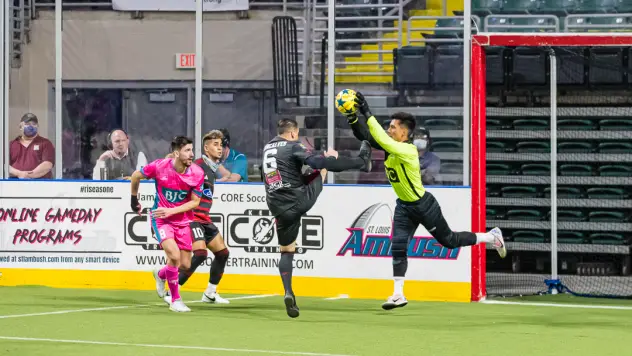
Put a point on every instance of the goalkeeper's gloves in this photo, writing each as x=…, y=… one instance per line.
x=362, y=105
x=135, y=204
x=352, y=118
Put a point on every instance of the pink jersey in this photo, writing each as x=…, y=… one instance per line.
x=174, y=189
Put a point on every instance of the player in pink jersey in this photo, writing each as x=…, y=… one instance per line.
x=178, y=191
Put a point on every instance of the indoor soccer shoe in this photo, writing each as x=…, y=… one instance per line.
x=214, y=298
x=395, y=301
x=160, y=284
x=179, y=307
x=499, y=242
x=290, y=306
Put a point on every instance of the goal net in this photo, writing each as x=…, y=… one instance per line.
x=552, y=160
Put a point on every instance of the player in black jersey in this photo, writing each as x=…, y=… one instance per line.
x=205, y=233
x=292, y=189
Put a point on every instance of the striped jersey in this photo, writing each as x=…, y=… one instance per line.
x=202, y=212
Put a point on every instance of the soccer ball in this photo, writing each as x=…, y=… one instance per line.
x=345, y=101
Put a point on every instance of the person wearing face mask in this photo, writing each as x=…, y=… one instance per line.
x=429, y=162
x=31, y=155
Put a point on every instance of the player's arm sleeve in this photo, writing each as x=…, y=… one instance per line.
x=198, y=187
x=361, y=132
x=149, y=171
x=400, y=149
x=318, y=161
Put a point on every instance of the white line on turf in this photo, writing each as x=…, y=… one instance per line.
x=341, y=296
x=119, y=307
x=182, y=347
x=557, y=305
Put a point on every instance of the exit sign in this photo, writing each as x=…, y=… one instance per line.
x=185, y=60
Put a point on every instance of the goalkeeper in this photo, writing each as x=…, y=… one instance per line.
x=414, y=205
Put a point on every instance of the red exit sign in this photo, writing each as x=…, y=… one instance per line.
x=185, y=60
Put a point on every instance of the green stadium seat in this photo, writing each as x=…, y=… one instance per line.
x=485, y=7
x=615, y=147
x=615, y=170
x=520, y=6
x=587, y=6
x=533, y=147
x=565, y=192
x=451, y=168
x=568, y=215
x=607, y=238
x=531, y=124
x=575, y=147
x=576, y=170
x=607, y=193
x=576, y=125
x=535, y=169
x=446, y=146
x=492, y=191
x=494, y=214
x=441, y=124
x=624, y=6
x=455, y=25
x=528, y=236
x=558, y=7
x=606, y=216
x=493, y=124
x=497, y=169
x=615, y=124
x=534, y=23
x=519, y=191
x=496, y=146
x=570, y=237
x=524, y=214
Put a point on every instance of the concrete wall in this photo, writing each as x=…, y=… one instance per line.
x=105, y=45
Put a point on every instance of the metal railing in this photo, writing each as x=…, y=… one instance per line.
x=285, y=5
x=522, y=23
x=439, y=30
x=584, y=22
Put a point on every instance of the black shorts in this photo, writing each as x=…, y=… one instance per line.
x=203, y=231
x=289, y=221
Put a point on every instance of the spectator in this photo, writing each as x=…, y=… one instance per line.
x=429, y=162
x=31, y=155
x=118, y=162
x=234, y=161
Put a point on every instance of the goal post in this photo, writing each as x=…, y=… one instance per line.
x=551, y=162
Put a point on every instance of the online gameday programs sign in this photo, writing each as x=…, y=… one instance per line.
x=87, y=226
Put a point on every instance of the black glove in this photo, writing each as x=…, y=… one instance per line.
x=352, y=118
x=135, y=204
x=362, y=105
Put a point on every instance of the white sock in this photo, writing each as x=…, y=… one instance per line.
x=398, y=286
x=210, y=289
x=484, y=237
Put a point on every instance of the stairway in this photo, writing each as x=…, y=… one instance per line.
x=434, y=8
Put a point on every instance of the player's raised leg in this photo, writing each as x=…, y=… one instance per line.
x=221, y=253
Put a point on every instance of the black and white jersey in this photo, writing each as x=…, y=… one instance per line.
x=283, y=173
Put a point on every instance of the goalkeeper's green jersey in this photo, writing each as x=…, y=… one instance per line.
x=402, y=164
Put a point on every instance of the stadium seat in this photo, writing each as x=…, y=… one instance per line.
x=606, y=66
x=588, y=7
x=607, y=193
x=565, y=192
x=533, y=147
x=607, y=238
x=456, y=25
x=494, y=214
x=575, y=147
x=524, y=214
x=447, y=65
x=483, y=8
x=492, y=191
x=619, y=124
x=528, y=236
x=531, y=124
x=576, y=125
x=570, y=68
x=576, y=170
x=568, y=215
x=442, y=124
x=606, y=216
x=615, y=147
x=535, y=169
x=558, y=7
x=529, y=65
x=447, y=146
x=411, y=67
x=615, y=170
x=519, y=191
x=497, y=169
x=624, y=6
x=570, y=237
x=520, y=6
x=496, y=146
x=493, y=124
x=451, y=168
x=495, y=65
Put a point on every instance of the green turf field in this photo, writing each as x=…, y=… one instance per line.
x=46, y=321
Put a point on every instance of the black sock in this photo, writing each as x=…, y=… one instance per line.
x=198, y=258
x=285, y=269
x=400, y=266
x=218, y=265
